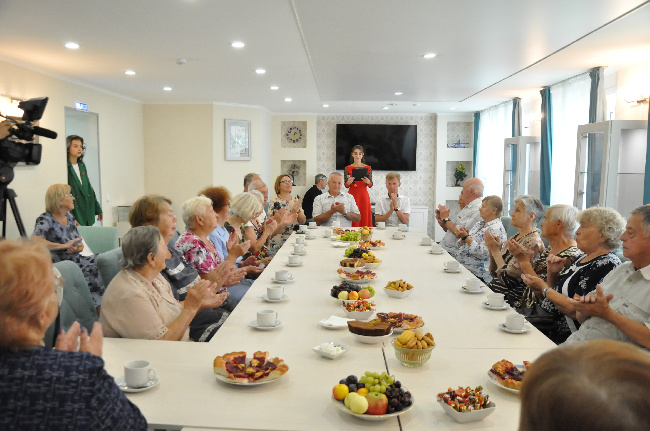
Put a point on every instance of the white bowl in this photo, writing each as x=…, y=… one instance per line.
x=371, y=339
x=373, y=266
x=398, y=294
x=344, y=349
x=470, y=416
x=352, y=270
x=359, y=315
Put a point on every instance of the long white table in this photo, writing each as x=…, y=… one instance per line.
x=468, y=342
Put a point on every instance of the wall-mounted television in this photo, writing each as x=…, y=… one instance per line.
x=386, y=147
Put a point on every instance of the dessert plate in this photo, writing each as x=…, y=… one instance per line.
x=504, y=328
x=492, y=307
x=254, y=324
x=121, y=383
x=266, y=298
x=230, y=382
x=498, y=383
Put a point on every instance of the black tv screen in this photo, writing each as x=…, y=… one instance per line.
x=386, y=147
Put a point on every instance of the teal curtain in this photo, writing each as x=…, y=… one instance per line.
x=477, y=121
x=547, y=147
x=646, y=181
x=597, y=102
x=516, y=117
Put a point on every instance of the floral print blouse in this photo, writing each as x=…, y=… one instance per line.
x=197, y=253
x=279, y=240
x=476, y=256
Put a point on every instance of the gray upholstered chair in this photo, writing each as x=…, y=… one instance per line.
x=77, y=304
x=99, y=238
x=109, y=264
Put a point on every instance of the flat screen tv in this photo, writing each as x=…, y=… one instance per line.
x=386, y=147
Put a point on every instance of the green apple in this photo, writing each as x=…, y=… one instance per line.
x=359, y=404
x=348, y=397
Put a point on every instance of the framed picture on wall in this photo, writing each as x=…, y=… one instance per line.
x=238, y=140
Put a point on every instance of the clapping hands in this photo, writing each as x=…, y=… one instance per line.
x=77, y=338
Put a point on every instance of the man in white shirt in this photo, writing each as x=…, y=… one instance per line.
x=470, y=196
x=393, y=209
x=334, y=205
x=620, y=308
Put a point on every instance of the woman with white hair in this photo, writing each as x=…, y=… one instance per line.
x=244, y=208
x=597, y=237
x=139, y=302
x=504, y=269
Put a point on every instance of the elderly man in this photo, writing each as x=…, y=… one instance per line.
x=393, y=208
x=470, y=197
x=334, y=205
x=620, y=308
x=320, y=181
x=249, y=178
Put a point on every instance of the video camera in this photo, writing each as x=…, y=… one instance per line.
x=18, y=147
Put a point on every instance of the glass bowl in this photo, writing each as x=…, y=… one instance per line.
x=412, y=358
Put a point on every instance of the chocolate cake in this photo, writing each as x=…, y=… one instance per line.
x=373, y=328
x=352, y=263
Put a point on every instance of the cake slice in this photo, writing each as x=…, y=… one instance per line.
x=373, y=328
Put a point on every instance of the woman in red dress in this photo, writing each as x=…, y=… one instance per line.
x=359, y=188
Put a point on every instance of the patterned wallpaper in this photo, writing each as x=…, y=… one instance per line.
x=418, y=185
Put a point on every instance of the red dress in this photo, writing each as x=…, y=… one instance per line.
x=359, y=189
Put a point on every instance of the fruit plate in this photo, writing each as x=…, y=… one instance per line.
x=498, y=383
x=339, y=405
x=369, y=339
x=470, y=416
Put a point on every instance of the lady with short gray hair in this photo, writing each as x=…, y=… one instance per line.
x=597, y=238
x=139, y=302
x=504, y=269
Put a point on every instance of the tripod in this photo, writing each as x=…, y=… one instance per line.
x=7, y=194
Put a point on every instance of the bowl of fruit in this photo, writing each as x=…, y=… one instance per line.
x=398, y=289
x=371, y=261
x=349, y=236
x=466, y=405
x=347, y=291
x=373, y=396
x=359, y=310
x=413, y=348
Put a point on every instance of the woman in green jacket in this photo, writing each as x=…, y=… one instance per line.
x=86, y=204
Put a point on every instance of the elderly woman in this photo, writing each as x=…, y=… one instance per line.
x=559, y=228
x=139, y=302
x=56, y=229
x=283, y=199
x=41, y=388
x=245, y=208
x=597, y=237
x=504, y=269
x=473, y=252
x=155, y=210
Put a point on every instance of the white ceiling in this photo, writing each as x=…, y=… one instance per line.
x=352, y=54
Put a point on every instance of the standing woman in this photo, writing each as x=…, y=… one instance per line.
x=359, y=188
x=86, y=204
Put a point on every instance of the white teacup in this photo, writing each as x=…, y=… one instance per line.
x=515, y=321
x=302, y=228
x=436, y=248
x=452, y=265
x=327, y=233
x=312, y=224
x=267, y=318
x=300, y=239
x=299, y=248
x=275, y=292
x=398, y=235
x=381, y=224
x=282, y=275
x=336, y=223
x=496, y=300
x=294, y=259
x=402, y=227
x=472, y=284
x=310, y=235
x=425, y=240
x=138, y=374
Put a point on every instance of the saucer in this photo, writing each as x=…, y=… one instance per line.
x=426, y=245
x=465, y=290
x=398, y=238
x=290, y=280
x=253, y=324
x=121, y=383
x=504, y=328
x=450, y=271
x=310, y=237
x=304, y=243
x=304, y=253
x=436, y=252
x=490, y=307
x=381, y=228
x=266, y=298
x=293, y=264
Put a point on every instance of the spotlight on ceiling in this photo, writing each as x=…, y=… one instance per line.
x=429, y=55
x=72, y=45
x=238, y=44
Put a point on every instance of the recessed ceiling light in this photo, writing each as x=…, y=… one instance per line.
x=238, y=44
x=260, y=71
x=130, y=72
x=385, y=107
x=274, y=87
x=429, y=55
x=398, y=93
x=72, y=45
x=167, y=88
x=287, y=99
x=326, y=106
x=452, y=108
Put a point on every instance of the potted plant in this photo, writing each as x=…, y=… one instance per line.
x=460, y=174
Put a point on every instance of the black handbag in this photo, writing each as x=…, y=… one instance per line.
x=539, y=318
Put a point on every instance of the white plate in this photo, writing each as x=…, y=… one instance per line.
x=369, y=339
x=253, y=324
x=436, y=252
x=304, y=253
x=400, y=330
x=121, y=383
x=339, y=244
x=451, y=272
x=357, y=281
x=496, y=382
x=465, y=290
x=293, y=264
x=365, y=417
x=490, y=307
x=319, y=349
x=230, y=382
x=504, y=328
x=290, y=280
x=267, y=299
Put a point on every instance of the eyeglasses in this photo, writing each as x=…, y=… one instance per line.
x=286, y=182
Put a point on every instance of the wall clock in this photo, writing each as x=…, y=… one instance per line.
x=294, y=134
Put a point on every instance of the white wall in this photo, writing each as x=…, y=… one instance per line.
x=632, y=81
x=120, y=137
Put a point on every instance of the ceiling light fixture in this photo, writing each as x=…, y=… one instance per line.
x=398, y=93
x=238, y=44
x=287, y=99
x=130, y=72
x=260, y=71
x=326, y=106
x=429, y=55
x=385, y=107
x=274, y=87
x=72, y=45
x=167, y=88
x=452, y=108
